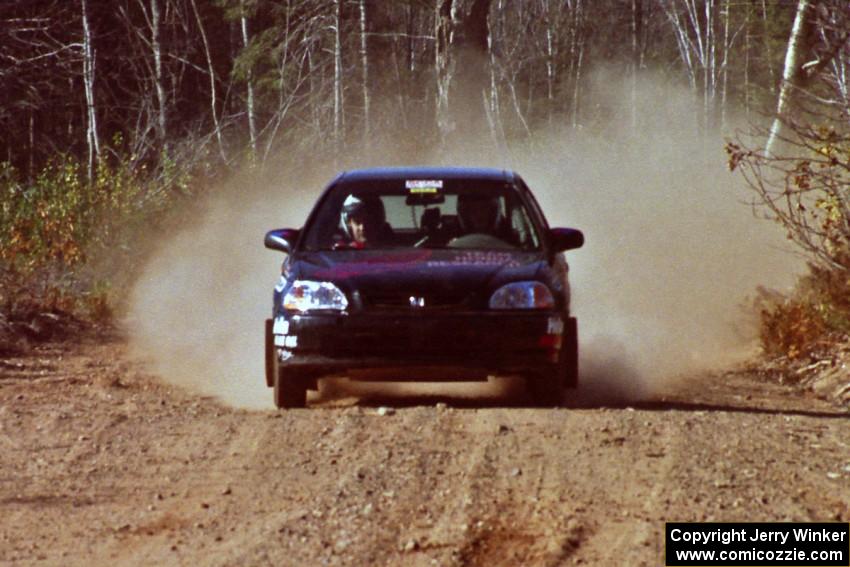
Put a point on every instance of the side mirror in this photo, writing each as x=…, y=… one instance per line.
x=561, y=239
x=282, y=239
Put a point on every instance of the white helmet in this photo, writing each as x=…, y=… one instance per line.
x=369, y=207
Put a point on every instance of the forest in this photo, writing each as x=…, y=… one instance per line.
x=210, y=83
x=116, y=111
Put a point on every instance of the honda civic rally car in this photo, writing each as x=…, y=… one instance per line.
x=423, y=274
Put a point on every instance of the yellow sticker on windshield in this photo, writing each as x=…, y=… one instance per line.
x=424, y=186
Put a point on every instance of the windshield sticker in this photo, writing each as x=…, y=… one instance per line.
x=424, y=186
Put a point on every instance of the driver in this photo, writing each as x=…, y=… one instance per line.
x=362, y=220
x=478, y=213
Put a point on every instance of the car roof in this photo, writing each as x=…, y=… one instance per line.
x=430, y=172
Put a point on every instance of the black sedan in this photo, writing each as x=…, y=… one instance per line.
x=423, y=274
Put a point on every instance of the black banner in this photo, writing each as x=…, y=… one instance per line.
x=757, y=544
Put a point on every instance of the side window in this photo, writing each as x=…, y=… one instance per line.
x=534, y=205
x=522, y=227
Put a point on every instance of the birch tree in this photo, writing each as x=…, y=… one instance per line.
x=636, y=29
x=249, y=85
x=92, y=138
x=831, y=20
x=154, y=19
x=337, y=81
x=791, y=76
x=704, y=42
x=364, y=68
x=462, y=44
x=801, y=178
x=212, y=81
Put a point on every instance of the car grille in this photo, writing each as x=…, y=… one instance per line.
x=391, y=300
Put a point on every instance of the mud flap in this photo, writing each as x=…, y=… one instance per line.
x=270, y=362
x=570, y=353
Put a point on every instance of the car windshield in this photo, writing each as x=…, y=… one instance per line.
x=423, y=213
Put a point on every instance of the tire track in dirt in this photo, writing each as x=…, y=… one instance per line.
x=112, y=467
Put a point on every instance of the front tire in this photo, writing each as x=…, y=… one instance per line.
x=547, y=390
x=570, y=354
x=271, y=357
x=290, y=390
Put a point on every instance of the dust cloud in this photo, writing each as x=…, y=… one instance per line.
x=672, y=254
x=196, y=314
x=659, y=288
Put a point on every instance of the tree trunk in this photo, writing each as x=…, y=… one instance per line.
x=364, y=67
x=249, y=103
x=550, y=63
x=156, y=48
x=637, y=31
x=316, y=88
x=31, y=161
x=577, y=58
x=462, y=44
x=211, y=73
x=791, y=75
x=88, y=81
x=768, y=52
x=494, y=118
x=747, y=42
x=725, y=64
x=442, y=63
x=709, y=96
x=338, y=118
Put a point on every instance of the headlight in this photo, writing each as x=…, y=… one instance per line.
x=522, y=295
x=307, y=295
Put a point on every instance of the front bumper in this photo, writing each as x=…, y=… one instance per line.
x=419, y=347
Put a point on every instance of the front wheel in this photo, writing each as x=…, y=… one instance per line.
x=569, y=354
x=271, y=356
x=547, y=390
x=290, y=390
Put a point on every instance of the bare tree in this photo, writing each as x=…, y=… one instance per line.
x=805, y=186
x=364, y=67
x=462, y=43
x=302, y=69
x=791, y=77
x=704, y=43
x=831, y=19
x=89, y=67
x=637, y=55
x=155, y=25
x=213, y=80
x=338, y=88
x=249, y=85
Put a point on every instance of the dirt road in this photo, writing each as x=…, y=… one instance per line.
x=102, y=464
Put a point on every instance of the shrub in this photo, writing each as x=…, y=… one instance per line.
x=63, y=239
x=805, y=189
x=814, y=316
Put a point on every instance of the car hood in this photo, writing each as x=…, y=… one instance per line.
x=426, y=271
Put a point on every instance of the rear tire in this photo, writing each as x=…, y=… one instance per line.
x=290, y=390
x=570, y=354
x=547, y=390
